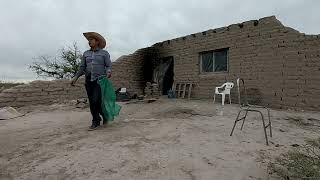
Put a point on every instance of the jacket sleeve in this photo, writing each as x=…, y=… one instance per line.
x=82, y=68
x=107, y=62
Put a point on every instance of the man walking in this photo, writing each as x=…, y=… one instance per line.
x=95, y=63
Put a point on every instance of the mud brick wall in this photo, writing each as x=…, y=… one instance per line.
x=42, y=92
x=280, y=63
x=128, y=71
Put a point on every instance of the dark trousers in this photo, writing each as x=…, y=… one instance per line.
x=94, y=95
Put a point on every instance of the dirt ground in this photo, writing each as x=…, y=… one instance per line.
x=166, y=139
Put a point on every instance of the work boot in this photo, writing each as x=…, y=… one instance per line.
x=94, y=126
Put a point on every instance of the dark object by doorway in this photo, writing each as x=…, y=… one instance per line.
x=122, y=97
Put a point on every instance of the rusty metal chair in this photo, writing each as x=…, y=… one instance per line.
x=246, y=107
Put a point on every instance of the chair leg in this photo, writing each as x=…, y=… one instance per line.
x=270, y=128
x=264, y=128
x=235, y=122
x=230, y=98
x=214, y=98
x=245, y=116
x=223, y=99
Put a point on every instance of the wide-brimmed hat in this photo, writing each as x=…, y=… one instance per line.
x=97, y=36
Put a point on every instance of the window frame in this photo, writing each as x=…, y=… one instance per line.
x=213, y=51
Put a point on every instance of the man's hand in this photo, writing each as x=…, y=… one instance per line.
x=73, y=81
x=109, y=74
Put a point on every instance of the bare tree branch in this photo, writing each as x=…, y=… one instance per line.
x=65, y=65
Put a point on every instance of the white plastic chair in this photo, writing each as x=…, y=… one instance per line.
x=226, y=90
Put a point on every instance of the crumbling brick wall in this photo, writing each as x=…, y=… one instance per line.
x=42, y=93
x=278, y=61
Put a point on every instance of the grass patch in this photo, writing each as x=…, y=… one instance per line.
x=301, y=163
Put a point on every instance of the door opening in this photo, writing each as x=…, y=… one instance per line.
x=163, y=74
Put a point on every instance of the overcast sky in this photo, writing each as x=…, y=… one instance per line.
x=30, y=28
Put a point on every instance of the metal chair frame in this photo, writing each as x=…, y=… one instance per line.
x=246, y=107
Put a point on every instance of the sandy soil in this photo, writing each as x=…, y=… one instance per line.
x=170, y=140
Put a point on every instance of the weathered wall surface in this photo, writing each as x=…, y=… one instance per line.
x=281, y=63
x=128, y=71
x=42, y=92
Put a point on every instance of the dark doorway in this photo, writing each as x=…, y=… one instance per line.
x=168, y=76
x=163, y=74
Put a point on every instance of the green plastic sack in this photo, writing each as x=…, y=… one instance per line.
x=109, y=107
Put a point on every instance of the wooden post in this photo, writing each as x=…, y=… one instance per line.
x=184, y=90
x=179, y=90
x=189, y=91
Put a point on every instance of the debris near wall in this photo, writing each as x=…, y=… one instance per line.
x=152, y=90
x=80, y=103
x=9, y=113
x=123, y=95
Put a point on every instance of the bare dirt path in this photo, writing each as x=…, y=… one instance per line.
x=161, y=140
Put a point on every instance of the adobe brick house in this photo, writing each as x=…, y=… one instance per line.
x=279, y=63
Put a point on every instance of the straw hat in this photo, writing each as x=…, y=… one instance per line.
x=97, y=36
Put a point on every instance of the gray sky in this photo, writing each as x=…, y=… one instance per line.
x=30, y=28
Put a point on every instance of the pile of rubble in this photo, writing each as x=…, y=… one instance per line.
x=152, y=90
